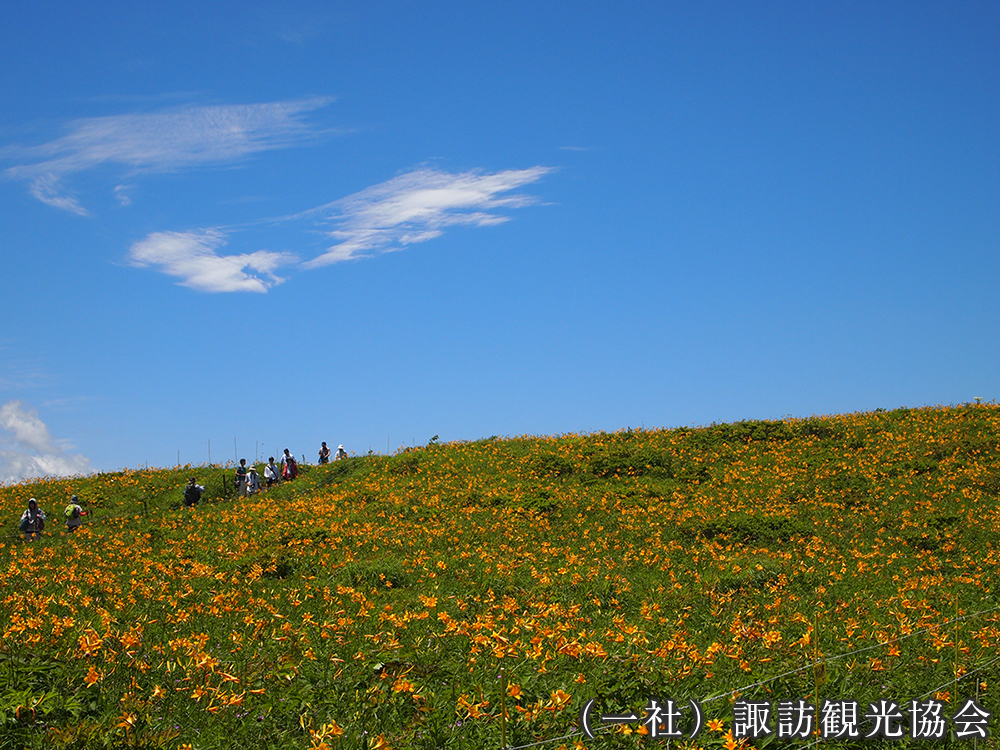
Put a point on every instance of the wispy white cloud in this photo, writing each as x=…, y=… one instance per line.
x=68, y=403
x=123, y=194
x=302, y=30
x=193, y=257
x=18, y=373
x=159, y=142
x=27, y=450
x=416, y=207
x=411, y=208
x=48, y=189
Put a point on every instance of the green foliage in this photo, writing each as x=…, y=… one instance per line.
x=405, y=464
x=375, y=574
x=384, y=593
x=748, y=529
x=342, y=469
x=554, y=465
x=631, y=462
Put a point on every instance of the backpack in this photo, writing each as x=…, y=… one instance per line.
x=191, y=494
x=72, y=511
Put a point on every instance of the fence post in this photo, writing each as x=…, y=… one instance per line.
x=819, y=667
x=954, y=689
x=503, y=709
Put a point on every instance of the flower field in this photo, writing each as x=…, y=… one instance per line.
x=467, y=595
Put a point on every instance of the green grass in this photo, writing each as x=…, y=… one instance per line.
x=385, y=594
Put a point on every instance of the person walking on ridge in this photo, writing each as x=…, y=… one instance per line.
x=32, y=520
x=192, y=493
x=241, y=478
x=253, y=481
x=289, y=469
x=272, y=474
x=73, y=514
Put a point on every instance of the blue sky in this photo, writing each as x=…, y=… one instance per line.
x=373, y=223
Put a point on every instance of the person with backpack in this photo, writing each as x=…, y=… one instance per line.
x=272, y=474
x=74, y=514
x=253, y=481
x=341, y=453
x=32, y=520
x=192, y=493
x=289, y=469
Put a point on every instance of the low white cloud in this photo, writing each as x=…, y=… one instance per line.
x=25, y=426
x=416, y=207
x=193, y=258
x=28, y=451
x=159, y=142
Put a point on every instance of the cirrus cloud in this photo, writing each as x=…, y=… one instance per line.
x=413, y=207
x=416, y=207
x=159, y=142
x=410, y=208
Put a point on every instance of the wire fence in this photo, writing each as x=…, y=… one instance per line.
x=578, y=733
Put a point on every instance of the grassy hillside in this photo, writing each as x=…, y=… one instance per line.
x=408, y=601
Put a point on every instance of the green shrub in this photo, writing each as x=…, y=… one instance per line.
x=748, y=529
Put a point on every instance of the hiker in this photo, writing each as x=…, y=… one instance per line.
x=324, y=454
x=32, y=520
x=289, y=469
x=253, y=481
x=241, y=478
x=73, y=514
x=341, y=453
x=272, y=474
x=192, y=493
